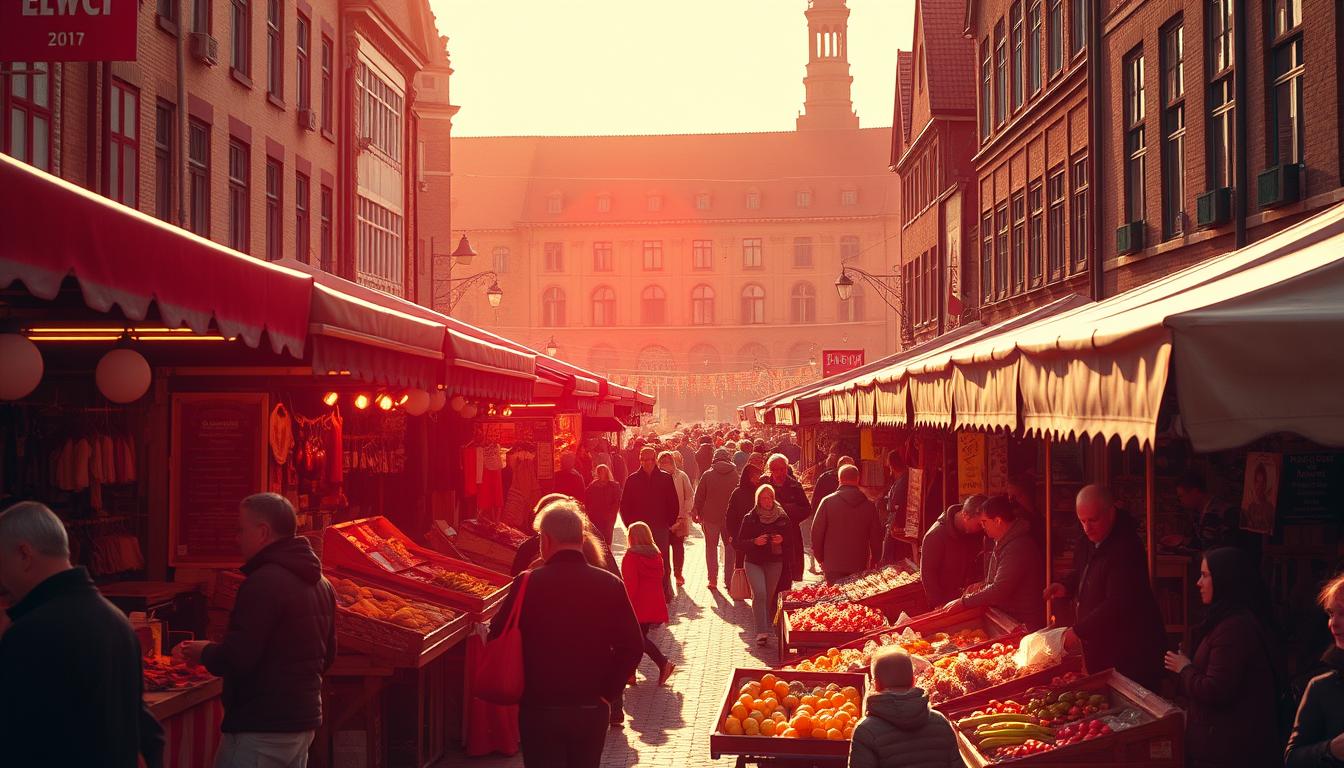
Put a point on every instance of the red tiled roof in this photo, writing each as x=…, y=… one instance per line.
x=499, y=181
x=949, y=56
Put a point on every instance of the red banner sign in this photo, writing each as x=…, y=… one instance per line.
x=835, y=361
x=68, y=30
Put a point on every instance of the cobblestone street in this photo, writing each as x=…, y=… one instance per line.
x=668, y=727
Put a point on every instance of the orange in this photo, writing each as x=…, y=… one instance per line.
x=803, y=710
x=790, y=733
x=839, y=699
x=835, y=734
x=810, y=700
x=746, y=699
x=850, y=691
x=756, y=715
x=782, y=688
x=779, y=716
x=751, y=727
x=739, y=711
x=840, y=719
x=803, y=723
x=818, y=734
x=851, y=708
x=791, y=701
x=833, y=652
x=768, y=728
x=768, y=680
x=824, y=722
x=849, y=732
x=732, y=726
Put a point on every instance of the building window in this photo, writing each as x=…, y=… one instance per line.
x=702, y=202
x=1222, y=136
x=29, y=113
x=852, y=309
x=1080, y=219
x=1000, y=75
x=1019, y=210
x=380, y=260
x=803, y=303
x=123, y=154
x=931, y=285
x=654, y=202
x=1054, y=243
x=1287, y=74
x=987, y=256
x=602, y=260
x=553, y=257
x=302, y=224
x=303, y=65
x=1136, y=143
x=198, y=172
x=752, y=257
x=1220, y=36
x=702, y=305
x=165, y=123
x=1077, y=26
x=986, y=94
x=1173, y=129
x=553, y=308
x=1055, y=36
x=326, y=212
x=1034, y=48
x=753, y=201
x=1035, y=239
x=604, y=306
x=239, y=208
x=275, y=49
x=200, y=15
x=604, y=203
x=653, y=254
x=753, y=305
x=241, y=23
x=803, y=198
x=275, y=240
x=1002, y=258
x=327, y=92
x=702, y=254
x=910, y=292
x=167, y=10
x=849, y=248
x=802, y=251
x=380, y=112
x=554, y=204
x=653, y=305
x=849, y=197
x=1018, y=55
x=500, y=256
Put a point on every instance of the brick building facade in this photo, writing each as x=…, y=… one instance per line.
x=299, y=137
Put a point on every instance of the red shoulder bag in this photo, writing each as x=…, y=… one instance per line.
x=499, y=676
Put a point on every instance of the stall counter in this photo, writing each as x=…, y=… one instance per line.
x=190, y=720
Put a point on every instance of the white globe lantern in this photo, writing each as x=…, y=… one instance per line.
x=457, y=403
x=123, y=375
x=417, y=402
x=437, y=399
x=469, y=411
x=21, y=361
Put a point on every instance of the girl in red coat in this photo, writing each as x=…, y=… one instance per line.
x=642, y=571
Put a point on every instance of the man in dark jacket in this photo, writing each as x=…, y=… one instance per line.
x=790, y=495
x=580, y=643
x=900, y=731
x=949, y=561
x=280, y=640
x=650, y=496
x=1118, y=622
x=893, y=505
x=846, y=534
x=69, y=663
x=710, y=510
x=704, y=455
x=568, y=480
x=1016, y=569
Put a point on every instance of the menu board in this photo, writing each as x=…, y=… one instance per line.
x=914, y=501
x=971, y=464
x=1313, y=486
x=996, y=461
x=219, y=451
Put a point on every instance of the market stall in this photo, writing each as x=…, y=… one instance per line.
x=789, y=718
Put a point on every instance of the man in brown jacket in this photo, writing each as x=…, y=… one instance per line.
x=846, y=534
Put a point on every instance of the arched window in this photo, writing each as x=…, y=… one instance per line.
x=852, y=311
x=753, y=305
x=553, y=308
x=604, y=306
x=803, y=303
x=703, y=358
x=653, y=306
x=655, y=359
x=702, y=305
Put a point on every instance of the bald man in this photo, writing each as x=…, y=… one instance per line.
x=1118, y=623
x=847, y=533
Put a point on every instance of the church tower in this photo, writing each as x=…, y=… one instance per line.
x=828, y=104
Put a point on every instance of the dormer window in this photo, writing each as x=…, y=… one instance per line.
x=655, y=202
x=702, y=201
x=604, y=203
x=803, y=198
x=849, y=197
x=554, y=203
x=753, y=200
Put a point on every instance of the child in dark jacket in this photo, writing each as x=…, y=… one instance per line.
x=642, y=572
x=900, y=731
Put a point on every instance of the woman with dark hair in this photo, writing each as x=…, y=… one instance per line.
x=1231, y=718
x=1016, y=572
x=741, y=501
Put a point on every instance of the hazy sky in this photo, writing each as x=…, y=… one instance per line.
x=653, y=66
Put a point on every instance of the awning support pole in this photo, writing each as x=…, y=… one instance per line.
x=1149, y=503
x=1049, y=536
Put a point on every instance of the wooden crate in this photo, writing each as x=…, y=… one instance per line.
x=474, y=548
x=771, y=746
x=1004, y=690
x=799, y=641
x=394, y=644
x=1000, y=628
x=1157, y=741
x=876, y=600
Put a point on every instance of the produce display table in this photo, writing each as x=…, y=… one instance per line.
x=991, y=624
x=972, y=699
x=488, y=544
x=759, y=748
x=1140, y=727
x=190, y=720
x=795, y=641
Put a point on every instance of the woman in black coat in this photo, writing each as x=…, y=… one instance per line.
x=1229, y=686
x=741, y=501
x=1318, y=731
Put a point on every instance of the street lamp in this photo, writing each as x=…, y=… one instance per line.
x=844, y=285
x=891, y=295
x=494, y=294
x=551, y=347
x=464, y=253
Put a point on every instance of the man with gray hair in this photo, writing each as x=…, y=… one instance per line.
x=280, y=640
x=70, y=662
x=580, y=644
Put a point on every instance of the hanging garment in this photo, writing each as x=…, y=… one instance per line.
x=108, y=448
x=470, y=461
x=491, y=494
x=83, y=456
x=335, y=445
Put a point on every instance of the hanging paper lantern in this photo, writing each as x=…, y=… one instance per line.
x=122, y=375
x=437, y=399
x=469, y=411
x=417, y=402
x=21, y=361
x=457, y=403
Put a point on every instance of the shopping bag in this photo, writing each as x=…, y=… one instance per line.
x=499, y=677
x=1041, y=649
x=738, y=587
x=682, y=526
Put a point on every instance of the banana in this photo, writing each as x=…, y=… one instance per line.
x=1002, y=741
x=1041, y=734
x=1006, y=717
x=1006, y=725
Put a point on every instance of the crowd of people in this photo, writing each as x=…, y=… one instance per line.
x=78, y=662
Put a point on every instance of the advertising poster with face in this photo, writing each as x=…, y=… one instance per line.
x=1259, y=499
